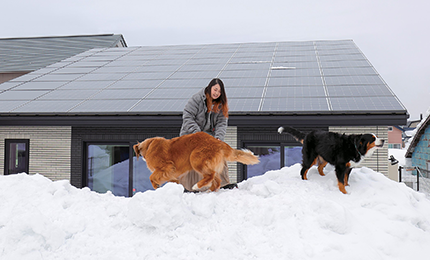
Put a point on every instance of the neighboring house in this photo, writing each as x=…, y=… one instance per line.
x=19, y=56
x=395, y=137
x=414, y=123
x=419, y=149
x=77, y=119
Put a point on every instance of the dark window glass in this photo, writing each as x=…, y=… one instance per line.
x=270, y=159
x=108, y=168
x=292, y=155
x=17, y=156
x=141, y=175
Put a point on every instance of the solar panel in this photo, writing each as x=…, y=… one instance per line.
x=159, y=68
x=160, y=105
x=69, y=94
x=116, y=105
x=264, y=66
x=47, y=106
x=284, y=71
x=9, y=105
x=345, y=64
x=102, y=76
x=132, y=84
x=35, y=85
x=21, y=95
x=353, y=80
x=373, y=103
x=244, y=82
x=244, y=92
x=185, y=83
x=295, y=104
x=296, y=81
x=87, y=84
x=194, y=74
x=243, y=74
x=58, y=77
x=9, y=85
x=26, y=77
x=172, y=93
x=311, y=76
x=358, y=91
x=147, y=75
x=244, y=104
x=348, y=71
x=295, y=91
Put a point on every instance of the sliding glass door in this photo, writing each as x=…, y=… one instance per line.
x=272, y=157
x=114, y=167
x=108, y=168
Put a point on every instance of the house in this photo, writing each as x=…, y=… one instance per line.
x=395, y=137
x=419, y=148
x=78, y=118
x=19, y=56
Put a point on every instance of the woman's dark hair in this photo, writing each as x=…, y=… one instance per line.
x=221, y=102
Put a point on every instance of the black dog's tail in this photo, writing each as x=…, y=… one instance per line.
x=298, y=135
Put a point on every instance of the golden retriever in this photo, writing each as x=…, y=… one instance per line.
x=168, y=159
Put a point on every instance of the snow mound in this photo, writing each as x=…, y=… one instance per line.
x=273, y=216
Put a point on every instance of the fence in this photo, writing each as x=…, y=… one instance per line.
x=416, y=178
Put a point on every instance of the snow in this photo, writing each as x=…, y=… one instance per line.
x=399, y=154
x=273, y=216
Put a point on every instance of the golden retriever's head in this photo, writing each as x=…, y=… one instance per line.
x=141, y=148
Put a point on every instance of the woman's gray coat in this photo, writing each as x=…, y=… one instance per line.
x=195, y=117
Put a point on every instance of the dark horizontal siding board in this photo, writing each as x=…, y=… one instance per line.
x=80, y=135
x=310, y=120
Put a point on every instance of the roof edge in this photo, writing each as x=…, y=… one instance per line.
x=417, y=137
x=60, y=36
x=175, y=120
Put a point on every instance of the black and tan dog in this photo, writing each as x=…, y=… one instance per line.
x=340, y=150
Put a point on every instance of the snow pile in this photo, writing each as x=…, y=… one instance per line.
x=274, y=216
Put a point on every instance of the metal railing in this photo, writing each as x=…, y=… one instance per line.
x=416, y=178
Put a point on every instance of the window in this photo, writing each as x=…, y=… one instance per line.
x=108, y=168
x=273, y=157
x=270, y=159
x=16, y=156
x=113, y=167
x=390, y=129
x=394, y=146
x=292, y=155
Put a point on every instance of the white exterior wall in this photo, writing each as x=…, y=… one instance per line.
x=231, y=139
x=379, y=160
x=50, y=149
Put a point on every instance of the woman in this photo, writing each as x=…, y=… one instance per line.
x=207, y=111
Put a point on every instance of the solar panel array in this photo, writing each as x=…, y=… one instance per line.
x=275, y=77
x=32, y=53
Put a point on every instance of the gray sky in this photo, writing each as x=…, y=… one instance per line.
x=394, y=35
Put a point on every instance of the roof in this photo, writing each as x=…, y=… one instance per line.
x=32, y=53
x=306, y=78
x=400, y=128
x=416, y=139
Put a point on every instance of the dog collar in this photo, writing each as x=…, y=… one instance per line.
x=357, y=149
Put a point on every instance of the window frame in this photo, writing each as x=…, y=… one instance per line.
x=244, y=171
x=85, y=146
x=7, y=154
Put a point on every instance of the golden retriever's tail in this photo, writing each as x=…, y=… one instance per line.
x=243, y=156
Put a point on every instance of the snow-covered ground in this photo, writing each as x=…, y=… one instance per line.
x=273, y=216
